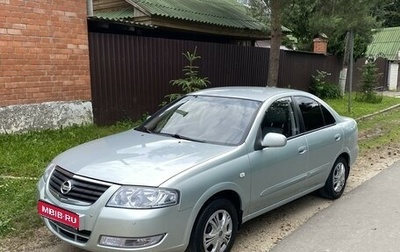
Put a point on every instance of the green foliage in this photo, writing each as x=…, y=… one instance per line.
x=307, y=18
x=297, y=18
x=192, y=81
x=369, y=84
x=363, y=36
x=388, y=12
x=323, y=89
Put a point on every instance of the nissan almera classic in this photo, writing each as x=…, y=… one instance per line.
x=191, y=174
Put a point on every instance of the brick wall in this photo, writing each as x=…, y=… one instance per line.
x=43, y=51
x=320, y=45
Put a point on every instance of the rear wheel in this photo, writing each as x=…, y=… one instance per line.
x=215, y=229
x=336, y=182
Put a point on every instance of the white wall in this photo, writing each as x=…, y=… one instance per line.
x=393, y=76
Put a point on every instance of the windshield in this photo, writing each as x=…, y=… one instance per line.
x=208, y=119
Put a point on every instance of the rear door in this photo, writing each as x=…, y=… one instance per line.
x=324, y=138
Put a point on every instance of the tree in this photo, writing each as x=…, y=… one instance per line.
x=336, y=17
x=369, y=83
x=307, y=18
x=192, y=81
x=388, y=12
x=270, y=12
x=276, y=37
x=297, y=18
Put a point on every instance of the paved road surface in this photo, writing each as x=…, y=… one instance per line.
x=366, y=219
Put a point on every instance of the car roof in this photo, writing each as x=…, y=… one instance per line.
x=247, y=92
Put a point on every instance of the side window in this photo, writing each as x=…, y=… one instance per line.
x=328, y=117
x=279, y=118
x=314, y=114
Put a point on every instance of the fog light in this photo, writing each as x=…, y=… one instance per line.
x=131, y=242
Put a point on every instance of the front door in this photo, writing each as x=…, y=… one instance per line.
x=278, y=172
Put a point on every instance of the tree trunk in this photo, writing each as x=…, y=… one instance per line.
x=342, y=80
x=276, y=37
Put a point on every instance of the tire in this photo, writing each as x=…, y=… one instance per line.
x=215, y=228
x=336, y=182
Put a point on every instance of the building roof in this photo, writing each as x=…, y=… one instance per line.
x=227, y=13
x=222, y=17
x=120, y=15
x=117, y=13
x=385, y=43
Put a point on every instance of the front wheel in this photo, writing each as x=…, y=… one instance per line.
x=215, y=229
x=336, y=182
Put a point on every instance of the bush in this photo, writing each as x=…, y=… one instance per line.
x=370, y=97
x=323, y=89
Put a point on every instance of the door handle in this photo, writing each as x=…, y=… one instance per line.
x=338, y=137
x=302, y=150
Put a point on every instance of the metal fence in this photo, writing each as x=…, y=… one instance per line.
x=130, y=75
x=297, y=68
x=382, y=66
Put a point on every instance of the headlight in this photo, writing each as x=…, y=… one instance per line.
x=143, y=197
x=49, y=169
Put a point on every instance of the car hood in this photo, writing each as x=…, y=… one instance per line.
x=136, y=158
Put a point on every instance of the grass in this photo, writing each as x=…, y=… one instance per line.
x=379, y=130
x=376, y=131
x=18, y=201
x=26, y=155
x=359, y=109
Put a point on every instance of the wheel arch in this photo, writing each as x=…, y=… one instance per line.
x=227, y=194
x=346, y=157
x=230, y=195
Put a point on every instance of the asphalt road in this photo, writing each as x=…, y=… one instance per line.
x=365, y=219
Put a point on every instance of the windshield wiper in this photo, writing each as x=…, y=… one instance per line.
x=144, y=129
x=178, y=136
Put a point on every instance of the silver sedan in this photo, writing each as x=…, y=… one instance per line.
x=191, y=174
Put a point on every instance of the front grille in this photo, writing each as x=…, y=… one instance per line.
x=82, y=189
x=70, y=233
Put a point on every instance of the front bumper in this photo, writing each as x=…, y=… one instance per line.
x=97, y=220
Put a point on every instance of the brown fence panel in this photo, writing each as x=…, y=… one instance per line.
x=130, y=75
x=127, y=75
x=297, y=68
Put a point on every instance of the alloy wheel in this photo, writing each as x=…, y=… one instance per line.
x=218, y=232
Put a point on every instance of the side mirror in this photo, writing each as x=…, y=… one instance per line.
x=273, y=140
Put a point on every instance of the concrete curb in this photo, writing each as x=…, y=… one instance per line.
x=378, y=112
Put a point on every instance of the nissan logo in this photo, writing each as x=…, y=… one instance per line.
x=66, y=187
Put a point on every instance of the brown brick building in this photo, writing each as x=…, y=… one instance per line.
x=44, y=64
